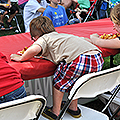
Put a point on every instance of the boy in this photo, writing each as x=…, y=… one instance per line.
x=74, y=57
x=56, y=13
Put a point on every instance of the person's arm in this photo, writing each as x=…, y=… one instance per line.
x=105, y=43
x=28, y=54
x=41, y=9
x=2, y=4
x=5, y=5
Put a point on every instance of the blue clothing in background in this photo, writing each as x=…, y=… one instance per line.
x=57, y=15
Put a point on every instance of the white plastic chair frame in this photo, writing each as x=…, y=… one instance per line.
x=93, y=84
x=111, y=98
x=29, y=107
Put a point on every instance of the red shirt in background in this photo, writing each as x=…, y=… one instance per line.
x=10, y=79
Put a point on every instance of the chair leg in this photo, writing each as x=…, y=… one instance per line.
x=111, y=98
x=115, y=113
x=111, y=61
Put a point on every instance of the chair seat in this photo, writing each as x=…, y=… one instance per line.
x=27, y=108
x=87, y=114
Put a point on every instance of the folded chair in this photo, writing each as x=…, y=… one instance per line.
x=91, y=85
x=27, y=108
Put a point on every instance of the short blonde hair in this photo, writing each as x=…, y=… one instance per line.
x=40, y=26
x=115, y=14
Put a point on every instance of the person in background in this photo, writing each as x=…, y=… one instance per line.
x=66, y=3
x=33, y=9
x=56, y=13
x=6, y=6
x=11, y=84
x=82, y=9
x=73, y=55
x=22, y=3
x=83, y=4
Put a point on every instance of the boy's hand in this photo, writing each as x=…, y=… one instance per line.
x=94, y=36
x=15, y=57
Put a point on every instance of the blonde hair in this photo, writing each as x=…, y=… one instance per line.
x=40, y=26
x=115, y=14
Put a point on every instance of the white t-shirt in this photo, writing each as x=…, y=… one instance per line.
x=30, y=11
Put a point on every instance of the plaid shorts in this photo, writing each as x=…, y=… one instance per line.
x=66, y=74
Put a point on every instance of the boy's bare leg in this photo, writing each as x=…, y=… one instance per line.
x=57, y=99
x=73, y=105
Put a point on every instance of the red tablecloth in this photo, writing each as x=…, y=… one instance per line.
x=86, y=29
x=36, y=68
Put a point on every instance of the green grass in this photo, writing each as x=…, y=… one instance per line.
x=116, y=61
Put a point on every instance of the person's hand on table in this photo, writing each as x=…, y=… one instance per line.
x=15, y=57
x=94, y=38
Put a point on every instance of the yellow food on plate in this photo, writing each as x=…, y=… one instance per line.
x=109, y=36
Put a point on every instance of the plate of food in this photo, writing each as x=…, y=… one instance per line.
x=110, y=36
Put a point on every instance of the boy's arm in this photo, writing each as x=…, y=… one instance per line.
x=105, y=43
x=28, y=54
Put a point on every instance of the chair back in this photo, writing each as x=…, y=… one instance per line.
x=93, y=84
x=29, y=107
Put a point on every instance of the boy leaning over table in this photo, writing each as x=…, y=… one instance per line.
x=73, y=55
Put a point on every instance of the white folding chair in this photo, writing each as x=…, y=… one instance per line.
x=27, y=108
x=114, y=98
x=91, y=85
